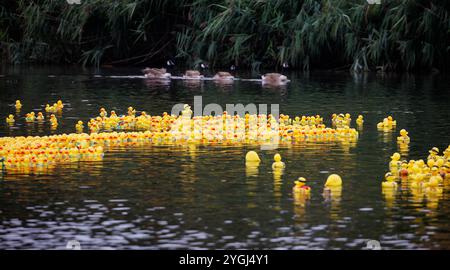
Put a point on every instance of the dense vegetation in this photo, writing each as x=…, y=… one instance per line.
x=396, y=35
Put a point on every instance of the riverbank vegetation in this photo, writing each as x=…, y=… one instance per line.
x=396, y=35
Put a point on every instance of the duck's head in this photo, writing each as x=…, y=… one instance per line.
x=434, y=151
x=300, y=182
x=389, y=177
x=403, y=132
x=59, y=102
x=333, y=180
x=347, y=115
x=11, y=116
x=430, y=163
x=277, y=158
x=80, y=123
x=390, y=118
x=396, y=157
x=18, y=102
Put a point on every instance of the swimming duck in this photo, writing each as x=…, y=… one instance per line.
x=223, y=76
x=301, y=187
x=156, y=73
x=18, y=105
x=395, y=161
x=252, y=156
x=403, y=137
x=274, y=79
x=10, y=119
x=360, y=120
x=389, y=181
x=192, y=74
x=40, y=117
x=278, y=163
x=333, y=180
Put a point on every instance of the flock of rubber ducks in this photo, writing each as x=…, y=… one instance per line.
x=27, y=155
x=31, y=117
x=221, y=76
x=221, y=129
x=426, y=176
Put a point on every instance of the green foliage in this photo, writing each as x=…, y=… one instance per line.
x=398, y=34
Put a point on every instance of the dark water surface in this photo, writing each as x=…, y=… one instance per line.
x=170, y=197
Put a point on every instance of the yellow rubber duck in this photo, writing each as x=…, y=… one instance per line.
x=103, y=112
x=278, y=163
x=434, y=152
x=333, y=180
x=252, y=156
x=301, y=187
x=395, y=161
x=403, y=137
x=29, y=118
x=10, y=119
x=392, y=121
x=360, y=120
x=79, y=126
x=390, y=181
x=53, y=120
x=18, y=105
x=59, y=105
x=40, y=117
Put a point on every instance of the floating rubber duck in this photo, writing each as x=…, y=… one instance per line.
x=50, y=109
x=131, y=111
x=53, y=120
x=79, y=126
x=40, y=117
x=278, y=163
x=10, y=119
x=193, y=75
x=59, y=105
x=223, y=76
x=434, y=152
x=301, y=187
x=395, y=161
x=252, y=156
x=360, y=120
x=333, y=180
x=403, y=137
x=389, y=181
x=156, y=73
x=274, y=79
x=30, y=117
x=18, y=105
x=388, y=124
x=103, y=112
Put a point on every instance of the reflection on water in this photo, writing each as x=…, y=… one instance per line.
x=194, y=196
